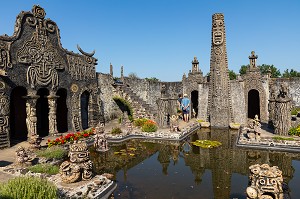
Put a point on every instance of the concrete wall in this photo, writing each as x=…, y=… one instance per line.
x=238, y=101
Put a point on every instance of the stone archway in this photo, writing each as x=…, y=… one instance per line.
x=253, y=104
x=42, y=112
x=194, y=102
x=62, y=111
x=84, y=107
x=18, y=128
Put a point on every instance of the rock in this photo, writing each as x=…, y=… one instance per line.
x=204, y=124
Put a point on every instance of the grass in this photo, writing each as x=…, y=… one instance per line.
x=283, y=138
x=116, y=131
x=53, y=152
x=28, y=188
x=44, y=168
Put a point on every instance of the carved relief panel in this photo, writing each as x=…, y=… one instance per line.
x=81, y=67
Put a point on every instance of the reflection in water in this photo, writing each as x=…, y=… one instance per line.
x=181, y=170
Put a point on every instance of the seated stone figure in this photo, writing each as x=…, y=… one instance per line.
x=79, y=167
x=100, y=141
x=24, y=157
x=174, y=126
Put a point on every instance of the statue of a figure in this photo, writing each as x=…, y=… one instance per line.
x=24, y=157
x=100, y=141
x=31, y=119
x=52, y=117
x=174, y=123
x=283, y=91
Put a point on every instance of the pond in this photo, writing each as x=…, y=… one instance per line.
x=179, y=170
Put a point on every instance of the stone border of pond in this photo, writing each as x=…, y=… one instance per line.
x=268, y=143
x=159, y=135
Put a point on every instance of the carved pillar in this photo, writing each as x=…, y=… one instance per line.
x=282, y=113
x=52, y=113
x=219, y=109
x=271, y=108
x=4, y=120
x=31, y=119
x=162, y=112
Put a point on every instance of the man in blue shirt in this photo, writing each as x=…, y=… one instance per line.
x=185, y=104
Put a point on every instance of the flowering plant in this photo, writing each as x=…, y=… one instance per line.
x=149, y=126
x=70, y=137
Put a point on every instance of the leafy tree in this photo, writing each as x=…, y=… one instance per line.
x=243, y=69
x=133, y=76
x=265, y=69
x=232, y=75
x=292, y=73
x=152, y=79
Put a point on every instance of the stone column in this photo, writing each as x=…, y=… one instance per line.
x=52, y=113
x=282, y=113
x=31, y=119
x=271, y=108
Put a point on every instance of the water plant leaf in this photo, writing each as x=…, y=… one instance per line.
x=206, y=143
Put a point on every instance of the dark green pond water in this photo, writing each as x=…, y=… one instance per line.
x=179, y=170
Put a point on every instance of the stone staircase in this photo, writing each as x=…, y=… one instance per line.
x=141, y=109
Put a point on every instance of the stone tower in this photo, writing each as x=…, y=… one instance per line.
x=219, y=109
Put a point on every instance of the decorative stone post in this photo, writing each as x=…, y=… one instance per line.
x=271, y=107
x=31, y=119
x=52, y=113
x=282, y=113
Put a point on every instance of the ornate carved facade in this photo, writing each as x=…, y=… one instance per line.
x=41, y=79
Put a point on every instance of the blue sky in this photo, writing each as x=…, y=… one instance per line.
x=159, y=38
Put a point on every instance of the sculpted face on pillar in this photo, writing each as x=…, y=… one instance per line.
x=218, y=29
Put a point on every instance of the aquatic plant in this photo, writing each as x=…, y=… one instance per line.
x=206, y=143
x=70, y=137
x=125, y=152
x=28, y=187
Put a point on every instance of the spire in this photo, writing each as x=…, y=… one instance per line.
x=111, y=70
x=252, y=59
x=195, y=65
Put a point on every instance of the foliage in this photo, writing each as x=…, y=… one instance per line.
x=133, y=75
x=200, y=121
x=295, y=111
x=70, y=137
x=282, y=138
x=232, y=75
x=152, y=79
x=28, y=188
x=206, y=143
x=149, y=126
x=44, y=168
x=124, y=106
x=295, y=131
x=291, y=73
x=265, y=69
x=116, y=130
x=53, y=152
x=125, y=152
x=140, y=122
x=244, y=69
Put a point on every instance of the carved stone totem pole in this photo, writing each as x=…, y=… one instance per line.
x=282, y=112
x=265, y=182
x=52, y=113
x=219, y=91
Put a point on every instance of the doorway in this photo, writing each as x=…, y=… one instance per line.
x=42, y=112
x=194, y=105
x=62, y=111
x=84, y=106
x=18, y=128
x=253, y=104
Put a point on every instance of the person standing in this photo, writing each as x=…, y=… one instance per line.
x=179, y=101
x=185, y=104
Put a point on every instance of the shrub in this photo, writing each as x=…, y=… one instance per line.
x=149, y=126
x=282, y=138
x=295, y=131
x=140, y=122
x=116, y=130
x=28, y=188
x=53, y=152
x=44, y=168
x=295, y=111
